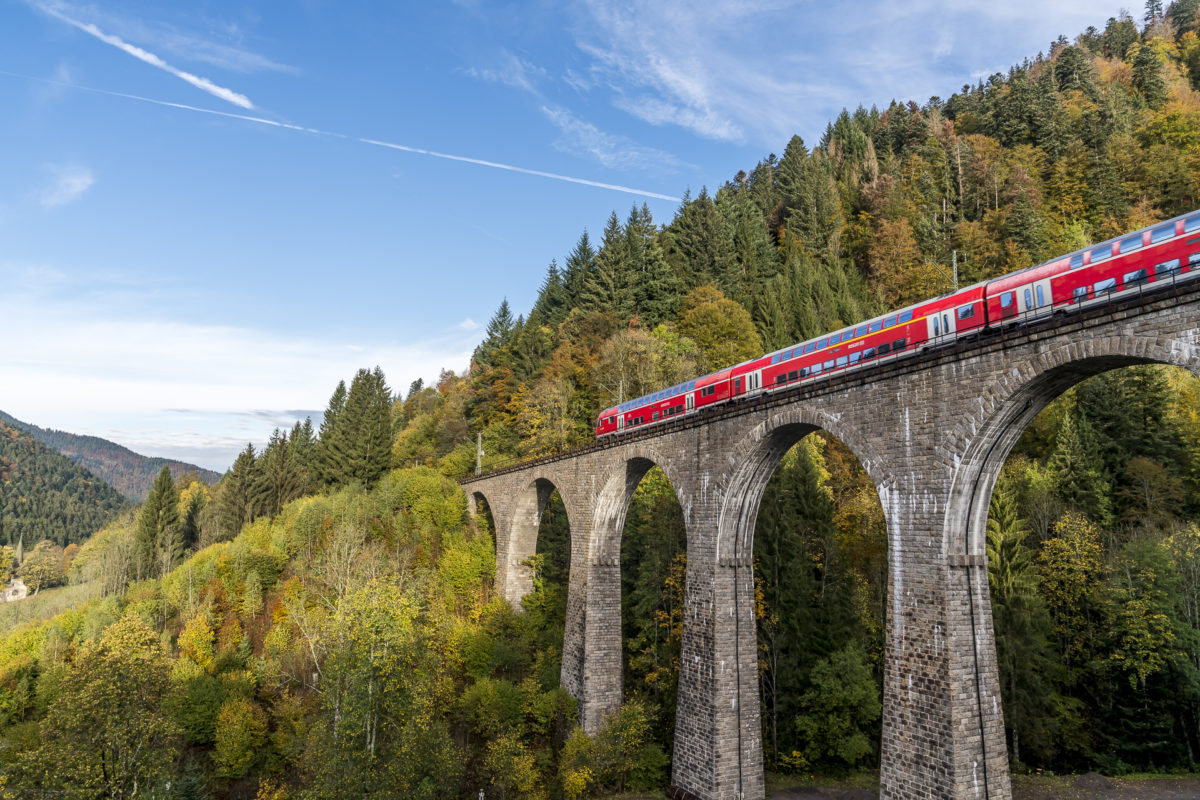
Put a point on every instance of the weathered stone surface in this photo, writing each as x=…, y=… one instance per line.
x=932, y=432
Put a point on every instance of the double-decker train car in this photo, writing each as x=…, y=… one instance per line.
x=1142, y=261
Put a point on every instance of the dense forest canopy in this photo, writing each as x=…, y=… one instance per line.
x=43, y=495
x=322, y=622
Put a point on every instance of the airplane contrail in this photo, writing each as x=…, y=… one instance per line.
x=204, y=84
x=374, y=142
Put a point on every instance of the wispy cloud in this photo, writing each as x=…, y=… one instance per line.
x=580, y=137
x=467, y=324
x=67, y=183
x=204, y=84
x=760, y=70
x=236, y=383
x=511, y=71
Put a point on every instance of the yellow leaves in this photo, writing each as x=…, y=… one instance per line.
x=720, y=327
x=241, y=732
x=196, y=642
x=903, y=275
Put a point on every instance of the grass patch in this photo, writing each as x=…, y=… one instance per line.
x=44, y=605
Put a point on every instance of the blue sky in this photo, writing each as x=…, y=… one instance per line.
x=211, y=212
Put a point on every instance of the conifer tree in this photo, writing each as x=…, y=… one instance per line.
x=280, y=479
x=1148, y=76
x=1083, y=481
x=607, y=285
x=236, y=503
x=332, y=444
x=368, y=426
x=580, y=265
x=551, y=307
x=157, y=528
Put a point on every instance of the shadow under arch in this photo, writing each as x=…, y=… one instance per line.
x=986, y=440
x=481, y=511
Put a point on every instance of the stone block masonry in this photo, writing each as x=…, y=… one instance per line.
x=932, y=432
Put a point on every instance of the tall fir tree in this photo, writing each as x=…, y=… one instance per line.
x=157, y=532
x=368, y=426
x=236, y=504
x=333, y=442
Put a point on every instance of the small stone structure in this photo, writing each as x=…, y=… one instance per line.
x=932, y=431
x=14, y=591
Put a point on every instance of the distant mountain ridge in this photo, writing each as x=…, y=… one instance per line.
x=45, y=495
x=130, y=473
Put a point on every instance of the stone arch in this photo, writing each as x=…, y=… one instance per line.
x=520, y=540
x=601, y=665
x=980, y=443
x=477, y=503
x=616, y=492
x=757, y=455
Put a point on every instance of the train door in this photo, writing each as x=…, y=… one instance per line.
x=621, y=422
x=1035, y=297
x=754, y=381
x=940, y=324
x=691, y=401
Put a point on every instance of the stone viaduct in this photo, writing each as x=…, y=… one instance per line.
x=932, y=432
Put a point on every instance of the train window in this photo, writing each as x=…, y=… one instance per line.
x=868, y=353
x=899, y=345
x=854, y=357
x=1040, y=296
x=828, y=364
x=654, y=415
x=1165, y=232
x=821, y=343
x=1101, y=253
x=1192, y=224
x=808, y=348
x=793, y=375
x=889, y=322
x=841, y=361
x=1135, y=278
x=876, y=325
x=1168, y=267
x=1193, y=259
x=775, y=358
x=781, y=378
x=1079, y=293
x=966, y=312
x=946, y=323
x=1006, y=299
x=1077, y=261
x=1131, y=243
x=816, y=369
x=804, y=372
x=885, y=348
x=1028, y=299
x=1105, y=285
x=906, y=316
x=937, y=327
x=861, y=330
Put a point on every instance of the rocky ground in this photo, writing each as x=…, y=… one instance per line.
x=1032, y=787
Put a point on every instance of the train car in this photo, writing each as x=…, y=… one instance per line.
x=1164, y=253
x=1169, y=251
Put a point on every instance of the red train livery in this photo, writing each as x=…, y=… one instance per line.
x=1160, y=255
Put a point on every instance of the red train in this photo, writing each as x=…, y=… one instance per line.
x=1159, y=255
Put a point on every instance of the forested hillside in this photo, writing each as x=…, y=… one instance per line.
x=322, y=624
x=43, y=495
x=128, y=472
